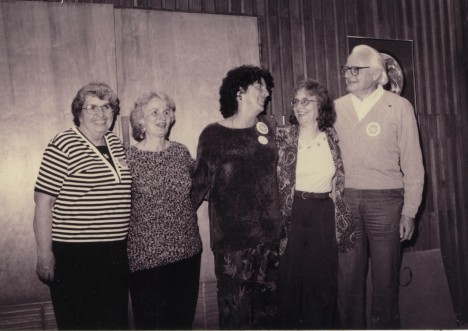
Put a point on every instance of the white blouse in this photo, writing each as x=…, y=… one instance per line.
x=315, y=168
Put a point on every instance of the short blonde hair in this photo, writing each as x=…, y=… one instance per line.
x=136, y=113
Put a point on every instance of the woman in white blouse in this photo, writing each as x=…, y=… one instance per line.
x=315, y=225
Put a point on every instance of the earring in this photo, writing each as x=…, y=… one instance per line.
x=142, y=134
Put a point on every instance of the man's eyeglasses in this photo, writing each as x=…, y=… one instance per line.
x=303, y=102
x=354, y=70
x=93, y=109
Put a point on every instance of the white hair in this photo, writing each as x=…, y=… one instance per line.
x=376, y=60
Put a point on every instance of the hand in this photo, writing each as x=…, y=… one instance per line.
x=406, y=227
x=45, y=267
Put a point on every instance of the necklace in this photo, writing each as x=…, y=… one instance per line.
x=303, y=144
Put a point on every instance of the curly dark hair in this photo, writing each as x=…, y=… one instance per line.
x=99, y=90
x=326, y=112
x=237, y=78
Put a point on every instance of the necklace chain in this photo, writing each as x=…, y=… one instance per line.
x=309, y=144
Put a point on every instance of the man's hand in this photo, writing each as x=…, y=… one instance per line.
x=406, y=228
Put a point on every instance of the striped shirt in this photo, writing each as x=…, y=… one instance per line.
x=92, y=197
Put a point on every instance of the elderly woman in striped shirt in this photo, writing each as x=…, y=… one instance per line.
x=82, y=214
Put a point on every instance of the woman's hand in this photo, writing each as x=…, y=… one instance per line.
x=45, y=266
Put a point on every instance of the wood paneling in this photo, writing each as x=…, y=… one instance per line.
x=308, y=38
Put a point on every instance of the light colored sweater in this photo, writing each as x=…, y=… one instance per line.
x=382, y=150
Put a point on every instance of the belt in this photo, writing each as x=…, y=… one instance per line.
x=311, y=195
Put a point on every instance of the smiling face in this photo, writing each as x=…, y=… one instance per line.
x=157, y=118
x=366, y=81
x=306, y=115
x=256, y=96
x=94, y=126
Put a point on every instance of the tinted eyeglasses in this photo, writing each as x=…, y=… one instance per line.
x=93, y=109
x=303, y=102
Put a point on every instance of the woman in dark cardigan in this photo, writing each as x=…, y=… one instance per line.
x=236, y=163
x=309, y=167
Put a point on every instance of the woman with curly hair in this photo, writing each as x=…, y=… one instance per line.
x=309, y=169
x=236, y=163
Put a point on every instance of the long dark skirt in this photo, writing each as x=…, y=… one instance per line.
x=308, y=268
x=247, y=287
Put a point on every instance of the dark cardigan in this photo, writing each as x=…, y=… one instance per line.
x=287, y=140
x=240, y=173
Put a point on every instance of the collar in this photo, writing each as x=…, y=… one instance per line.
x=370, y=99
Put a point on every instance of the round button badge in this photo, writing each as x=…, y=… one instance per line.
x=262, y=128
x=262, y=140
x=373, y=129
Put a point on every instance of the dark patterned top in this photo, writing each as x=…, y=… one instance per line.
x=238, y=167
x=287, y=140
x=163, y=224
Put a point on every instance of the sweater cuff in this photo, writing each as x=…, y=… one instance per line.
x=409, y=211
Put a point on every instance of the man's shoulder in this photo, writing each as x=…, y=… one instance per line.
x=395, y=98
x=342, y=101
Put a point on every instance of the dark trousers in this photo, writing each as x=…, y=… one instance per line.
x=308, y=268
x=377, y=214
x=166, y=297
x=90, y=289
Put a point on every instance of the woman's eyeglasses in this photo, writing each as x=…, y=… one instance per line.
x=303, y=102
x=93, y=109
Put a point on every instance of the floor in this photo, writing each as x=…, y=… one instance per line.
x=424, y=300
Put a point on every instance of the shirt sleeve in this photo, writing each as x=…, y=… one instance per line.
x=204, y=169
x=411, y=162
x=52, y=172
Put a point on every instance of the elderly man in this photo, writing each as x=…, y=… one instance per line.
x=384, y=178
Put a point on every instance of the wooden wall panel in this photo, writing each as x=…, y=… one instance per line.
x=439, y=32
x=323, y=27
x=48, y=52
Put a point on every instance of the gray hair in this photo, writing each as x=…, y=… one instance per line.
x=136, y=114
x=376, y=60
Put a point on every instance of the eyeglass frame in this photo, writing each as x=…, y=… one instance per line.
x=304, y=102
x=354, y=70
x=106, y=109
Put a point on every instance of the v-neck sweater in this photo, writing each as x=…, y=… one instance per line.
x=382, y=151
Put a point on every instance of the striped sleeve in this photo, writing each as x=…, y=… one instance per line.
x=53, y=170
